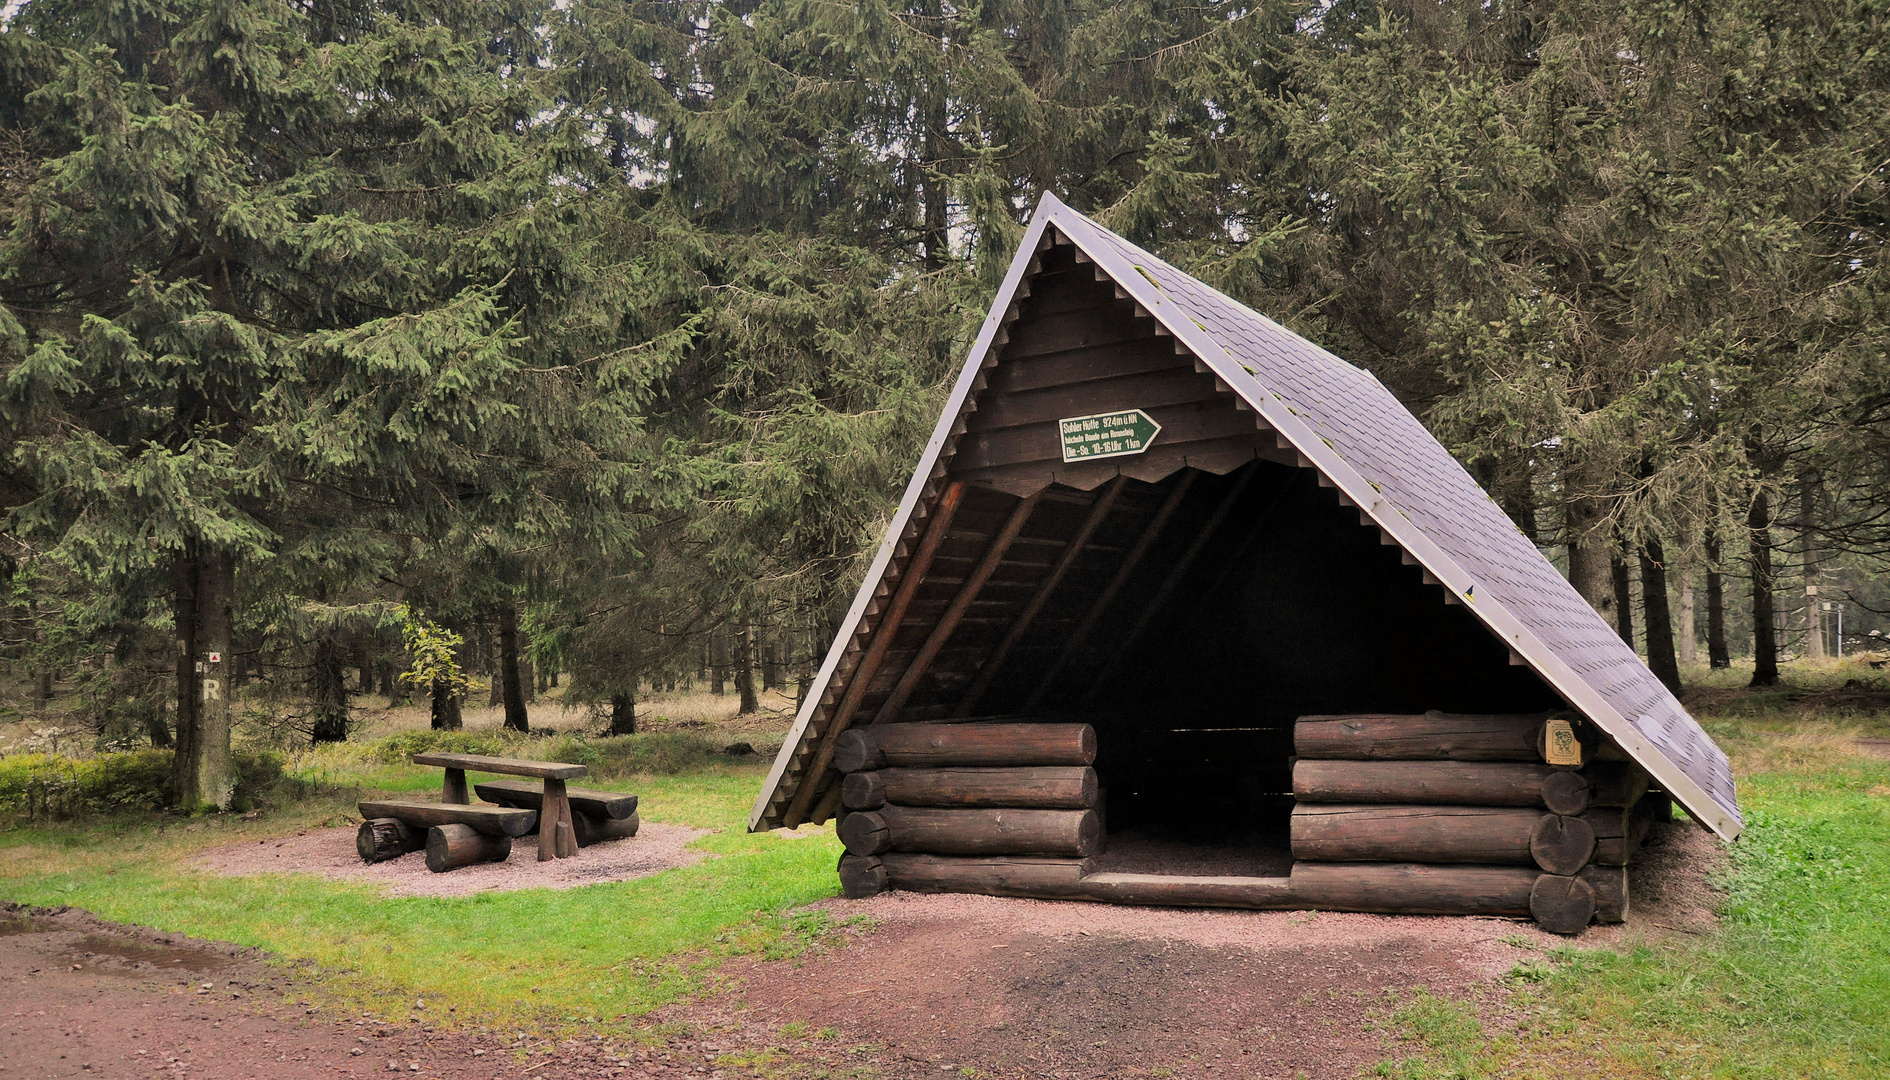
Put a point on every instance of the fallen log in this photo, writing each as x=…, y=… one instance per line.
x=453, y=846
x=1611, y=891
x=1561, y=905
x=1434, y=736
x=1440, y=834
x=1443, y=783
x=381, y=839
x=944, y=745
x=1042, y=787
x=1414, y=888
x=595, y=830
x=1063, y=833
x=1013, y=876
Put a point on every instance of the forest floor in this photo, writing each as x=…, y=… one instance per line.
x=737, y=960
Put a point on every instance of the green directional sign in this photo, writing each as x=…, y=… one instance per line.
x=1107, y=435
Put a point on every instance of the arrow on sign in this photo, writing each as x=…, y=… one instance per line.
x=1107, y=435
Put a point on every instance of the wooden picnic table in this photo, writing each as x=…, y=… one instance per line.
x=557, y=836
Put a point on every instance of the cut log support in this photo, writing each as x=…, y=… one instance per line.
x=945, y=745
x=1440, y=834
x=1619, y=832
x=1046, y=878
x=862, y=876
x=1615, y=783
x=1044, y=787
x=381, y=839
x=1561, y=905
x=1414, y=888
x=1061, y=833
x=490, y=820
x=524, y=793
x=1610, y=884
x=595, y=830
x=1434, y=736
x=453, y=846
x=1441, y=783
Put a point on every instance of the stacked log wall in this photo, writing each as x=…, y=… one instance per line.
x=1453, y=814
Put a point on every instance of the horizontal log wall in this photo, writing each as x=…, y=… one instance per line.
x=1434, y=736
x=1065, y=833
x=945, y=745
x=1441, y=834
x=1444, y=783
x=1043, y=787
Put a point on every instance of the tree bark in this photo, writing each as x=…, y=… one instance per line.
x=1623, y=588
x=1807, y=537
x=745, y=668
x=1764, y=581
x=203, y=583
x=1716, y=655
x=446, y=712
x=1689, y=630
x=328, y=692
x=514, y=693
x=718, y=664
x=1660, y=655
x=770, y=663
x=1588, y=557
x=159, y=731
x=623, y=713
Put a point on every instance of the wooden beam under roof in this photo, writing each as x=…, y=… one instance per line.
x=1098, y=510
x=948, y=622
x=1109, y=592
x=863, y=673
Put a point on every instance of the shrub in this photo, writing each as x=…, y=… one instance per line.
x=52, y=787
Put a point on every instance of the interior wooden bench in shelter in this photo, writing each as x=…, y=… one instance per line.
x=1181, y=609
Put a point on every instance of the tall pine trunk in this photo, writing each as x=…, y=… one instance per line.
x=328, y=692
x=745, y=668
x=1808, y=490
x=1717, y=656
x=445, y=707
x=203, y=595
x=1623, y=589
x=1588, y=558
x=1764, y=581
x=718, y=664
x=623, y=712
x=1689, y=629
x=513, y=691
x=1660, y=655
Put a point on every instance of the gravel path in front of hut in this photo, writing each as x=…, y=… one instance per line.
x=930, y=985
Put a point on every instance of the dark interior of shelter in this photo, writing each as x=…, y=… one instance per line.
x=1203, y=615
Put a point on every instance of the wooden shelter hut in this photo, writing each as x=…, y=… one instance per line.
x=1181, y=609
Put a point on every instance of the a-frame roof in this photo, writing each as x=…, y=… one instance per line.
x=1340, y=420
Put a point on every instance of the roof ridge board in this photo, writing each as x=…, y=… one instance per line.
x=962, y=392
x=1493, y=613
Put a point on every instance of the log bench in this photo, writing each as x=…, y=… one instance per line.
x=557, y=835
x=597, y=815
x=456, y=833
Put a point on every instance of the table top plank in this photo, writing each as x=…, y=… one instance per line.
x=507, y=766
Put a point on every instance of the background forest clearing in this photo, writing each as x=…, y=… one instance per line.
x=1795, y=982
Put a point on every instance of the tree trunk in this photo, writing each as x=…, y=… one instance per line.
x=770, y=663
x=514, y=693
x=718, y=664
x=1623, y=588
x=328, y=692
x=494, y=660
x=528, y=680
x=364, y=663
x=623, y=714
x=539, y=679
x=1764, y=581
x=1716, y=655
x=1807, y=538
x=1588, y=557
x=446, y=712
x=1660, y=656
x=203, y=584
x=1689, y=632
x=387, y=681
x=42, y=687
x=745, y=668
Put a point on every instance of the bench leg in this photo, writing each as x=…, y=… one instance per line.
x=453, y=788
x=567, y=829
x=548, y=817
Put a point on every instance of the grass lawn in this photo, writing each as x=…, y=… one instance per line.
x=1795, y=983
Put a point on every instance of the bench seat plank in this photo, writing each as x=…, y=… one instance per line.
x=508, y=766
x=490, y=820
x=614, y=805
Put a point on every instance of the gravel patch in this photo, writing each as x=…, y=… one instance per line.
x=331, y=854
